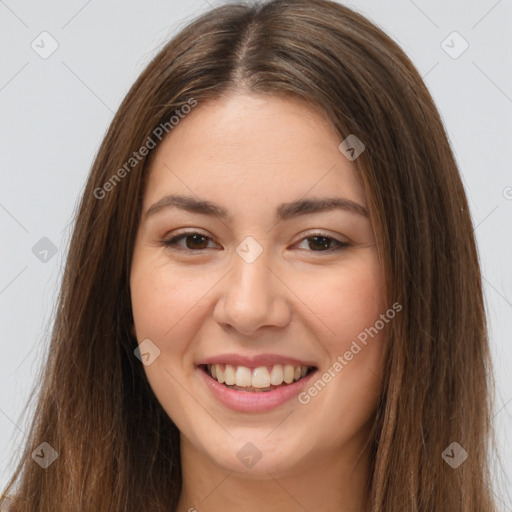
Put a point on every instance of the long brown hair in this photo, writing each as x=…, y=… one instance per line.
x=117, y=448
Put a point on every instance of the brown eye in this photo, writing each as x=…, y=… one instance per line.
x=322, y=243
x=196, y=241
x=193, y=241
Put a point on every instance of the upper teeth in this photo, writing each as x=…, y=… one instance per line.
x=260, y=377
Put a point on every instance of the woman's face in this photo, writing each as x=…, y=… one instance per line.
x=265, y=280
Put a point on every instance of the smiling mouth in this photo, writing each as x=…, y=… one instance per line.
x=260, y=379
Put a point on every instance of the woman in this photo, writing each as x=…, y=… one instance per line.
x=272, y=298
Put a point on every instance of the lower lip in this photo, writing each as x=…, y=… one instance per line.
x=254, y=401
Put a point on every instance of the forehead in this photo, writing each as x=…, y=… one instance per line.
x=260, y=146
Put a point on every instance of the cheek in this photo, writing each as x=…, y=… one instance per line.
x=165, y=311
x=350, y=305
x=161, y=297
x=350, y=300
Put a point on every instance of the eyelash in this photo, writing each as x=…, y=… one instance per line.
x=172, y=243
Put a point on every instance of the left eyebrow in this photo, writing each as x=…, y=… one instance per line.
x=284, y=211
x=305, y=206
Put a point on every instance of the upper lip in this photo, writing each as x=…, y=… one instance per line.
x=254, y=361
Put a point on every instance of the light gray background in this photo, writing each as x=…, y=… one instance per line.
x=54, y=113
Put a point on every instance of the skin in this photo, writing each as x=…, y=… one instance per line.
x=248, y=154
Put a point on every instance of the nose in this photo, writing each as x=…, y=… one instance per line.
x=253, y=297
